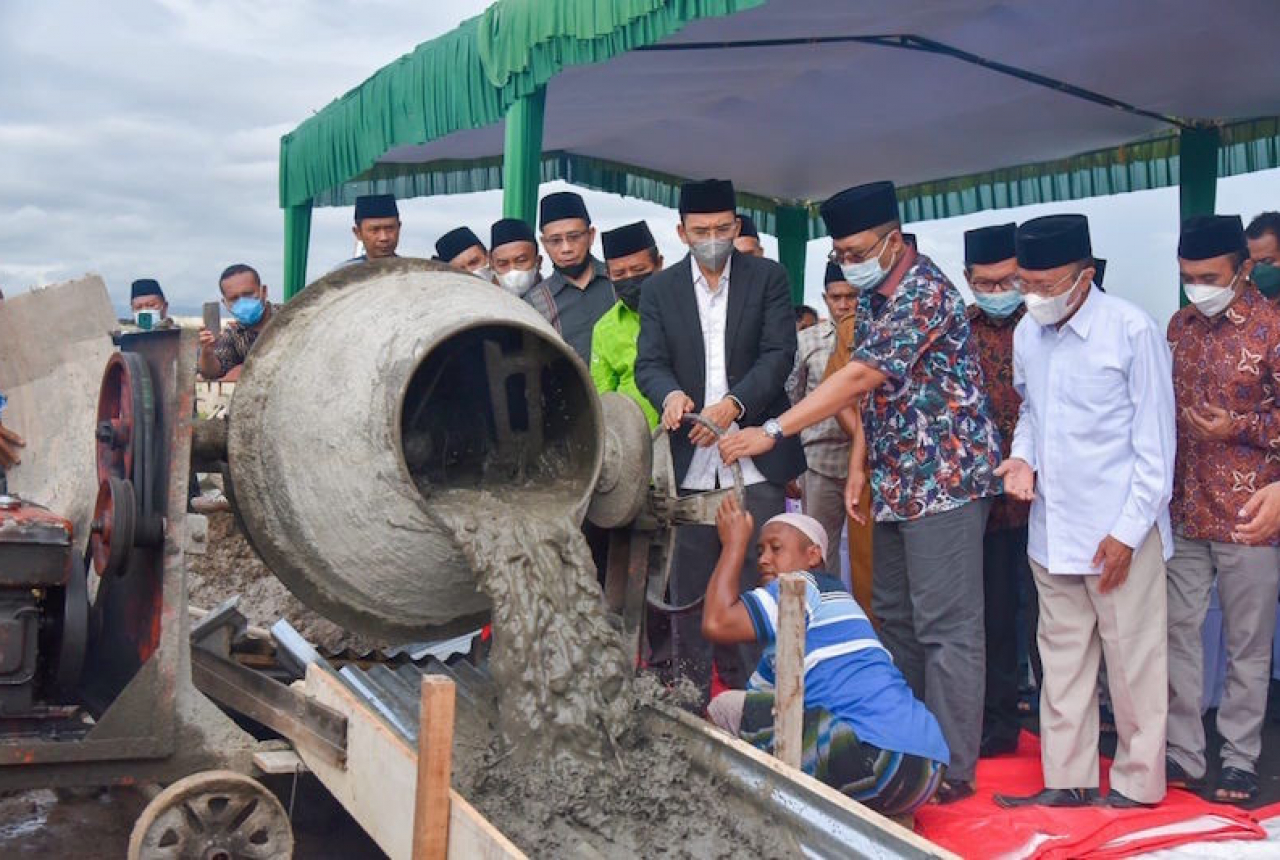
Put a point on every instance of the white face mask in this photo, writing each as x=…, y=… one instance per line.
x=1210, y=299
x=517, y=281
x=146, y=319
x=484, y=273
x=868, y=274
x=1050, y=310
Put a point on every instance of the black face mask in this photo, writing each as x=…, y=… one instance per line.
x=575, y=271
x=628, y=290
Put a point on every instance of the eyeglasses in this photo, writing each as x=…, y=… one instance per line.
x=849, y=257
x=982, y=285
x=565, y=238
x=1025, y=287
x=719, y=231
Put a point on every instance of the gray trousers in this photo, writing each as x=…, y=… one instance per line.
x=824, y=501
x=696, y=553
x=927, y=594
x=1248, y=584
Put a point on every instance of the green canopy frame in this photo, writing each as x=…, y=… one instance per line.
x=495, y=68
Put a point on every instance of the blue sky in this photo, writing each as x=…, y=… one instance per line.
x=140, y=138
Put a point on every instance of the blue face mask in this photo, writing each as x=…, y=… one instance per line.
x=247, y=310
x=998, y=305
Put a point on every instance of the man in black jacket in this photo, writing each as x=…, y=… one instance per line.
x=717, y=337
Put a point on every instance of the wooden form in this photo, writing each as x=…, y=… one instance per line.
x=788, y=702
x=378, y=784
x=435, y=761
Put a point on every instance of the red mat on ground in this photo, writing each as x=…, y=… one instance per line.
x=976, y=828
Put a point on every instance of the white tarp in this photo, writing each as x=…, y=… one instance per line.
x=54, y=344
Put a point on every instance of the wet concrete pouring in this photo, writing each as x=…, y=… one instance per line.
x=571, y=770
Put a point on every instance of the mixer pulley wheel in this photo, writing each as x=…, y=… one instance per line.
x=111, y=536
x=126, y=414
x=73, y=628
x=214, y=815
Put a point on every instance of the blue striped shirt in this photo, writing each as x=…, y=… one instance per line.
x=846, y=669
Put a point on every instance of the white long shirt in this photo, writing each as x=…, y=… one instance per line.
x=1097, y=426
x=706, y=468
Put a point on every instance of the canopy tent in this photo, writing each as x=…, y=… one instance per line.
x=966, y=104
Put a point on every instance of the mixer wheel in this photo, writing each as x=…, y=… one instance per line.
x=73, y=630
x=111, y=536
x=214, y=815
x=126, y=413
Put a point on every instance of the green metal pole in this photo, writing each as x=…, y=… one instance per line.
x=297, y=242
x=793, y=240
x=1197, y=174
x=522, y=156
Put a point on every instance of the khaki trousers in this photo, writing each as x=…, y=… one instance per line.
x=1079, y=624
x=1248, y=582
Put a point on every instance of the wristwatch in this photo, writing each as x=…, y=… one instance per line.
x=773, y=429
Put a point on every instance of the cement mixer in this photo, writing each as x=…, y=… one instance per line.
x=386, y=390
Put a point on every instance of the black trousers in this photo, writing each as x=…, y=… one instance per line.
x=696, y=552
x=1005, y=570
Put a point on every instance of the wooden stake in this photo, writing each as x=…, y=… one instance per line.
x=788, y=703
x=435, y=761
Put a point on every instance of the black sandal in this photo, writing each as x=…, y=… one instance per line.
x=1176, y=776
x=950, y=792
x=1239, y=781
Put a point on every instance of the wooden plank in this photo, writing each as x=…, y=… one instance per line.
x=377, y=784
x=435, y=763
x=278, y=762
x=271, y=703
x=788, y=703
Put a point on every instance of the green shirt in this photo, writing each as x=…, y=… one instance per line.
x=613, y=356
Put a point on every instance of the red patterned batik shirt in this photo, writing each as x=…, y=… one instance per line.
x=993, y=339
x=1231, y=361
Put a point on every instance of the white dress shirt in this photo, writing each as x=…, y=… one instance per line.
x=706, y=470
x=1097, y=426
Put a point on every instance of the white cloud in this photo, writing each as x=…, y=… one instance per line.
x=140, y=137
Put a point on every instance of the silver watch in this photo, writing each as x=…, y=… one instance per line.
x=772, y=429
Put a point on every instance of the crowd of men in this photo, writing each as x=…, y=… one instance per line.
x=1047, y=439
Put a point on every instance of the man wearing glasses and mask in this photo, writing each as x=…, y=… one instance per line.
x=933, y=452
x=579, y=286
x=718, y=338
x=1094, y=453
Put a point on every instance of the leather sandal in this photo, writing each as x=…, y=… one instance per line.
x=1176, y=776
x=1058, y=797
x=1239, y=781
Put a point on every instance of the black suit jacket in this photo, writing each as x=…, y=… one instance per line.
x=760, y=349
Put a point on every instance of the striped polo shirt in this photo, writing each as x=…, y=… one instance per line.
x=846, y=669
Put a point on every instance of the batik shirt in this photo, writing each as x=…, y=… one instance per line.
x=233, y=344
x=993, y=339
x=933, y=445
x=1231, y=361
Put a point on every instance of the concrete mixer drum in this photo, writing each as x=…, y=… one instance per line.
x=433, y=384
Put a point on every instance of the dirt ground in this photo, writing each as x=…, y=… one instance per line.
x=230, y=566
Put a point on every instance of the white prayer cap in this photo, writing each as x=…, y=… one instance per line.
x=808, y=526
